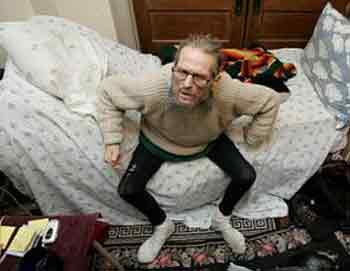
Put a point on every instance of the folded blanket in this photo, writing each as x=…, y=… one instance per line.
x=259, y=66
x=257, y=62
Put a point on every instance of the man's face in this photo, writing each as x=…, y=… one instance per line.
x=192, y=77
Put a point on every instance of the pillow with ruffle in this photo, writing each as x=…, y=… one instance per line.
x=30, y=48
x=326, y=62
x=63, y=63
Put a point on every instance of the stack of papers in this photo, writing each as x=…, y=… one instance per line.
x=22, y=242
x=5, y=236
x=25, y=237
x=38, y=225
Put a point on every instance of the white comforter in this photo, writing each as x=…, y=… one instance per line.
x=56, y=155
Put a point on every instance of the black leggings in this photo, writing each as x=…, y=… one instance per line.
x=144, y=164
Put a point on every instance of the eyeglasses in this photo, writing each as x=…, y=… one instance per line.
x=199, y=80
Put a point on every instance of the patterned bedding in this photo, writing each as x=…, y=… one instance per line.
x=56, y=156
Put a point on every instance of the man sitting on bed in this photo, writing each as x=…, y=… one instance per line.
x=186, y=107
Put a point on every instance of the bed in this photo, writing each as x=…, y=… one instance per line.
x=51, y=147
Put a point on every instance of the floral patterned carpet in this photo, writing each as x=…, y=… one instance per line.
x=194, y=247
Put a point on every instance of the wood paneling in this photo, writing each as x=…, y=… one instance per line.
x=237, y=23
x=278, y=23
x=217, y=24
x=300, y=5
x=162, y=22
x=188, y=5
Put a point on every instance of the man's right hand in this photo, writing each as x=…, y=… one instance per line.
x=112, y=154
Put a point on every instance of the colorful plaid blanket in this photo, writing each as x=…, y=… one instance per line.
x=248, y=64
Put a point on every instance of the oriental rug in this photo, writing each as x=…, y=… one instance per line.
x=195, y=247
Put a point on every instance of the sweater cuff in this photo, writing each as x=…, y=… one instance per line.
x=111, y=138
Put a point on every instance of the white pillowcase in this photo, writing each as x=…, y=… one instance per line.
x=30, y=48
x=63, y=63
x=326, y=62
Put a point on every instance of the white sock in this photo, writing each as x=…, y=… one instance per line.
x=233, y=237
x=149, y=250
x=235, y=267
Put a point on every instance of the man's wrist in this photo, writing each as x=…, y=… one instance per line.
x=112, y=142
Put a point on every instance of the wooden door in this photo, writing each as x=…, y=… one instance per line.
x=284, y=23
x=163, y=22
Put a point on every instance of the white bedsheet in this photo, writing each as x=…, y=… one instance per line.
x=56, y=156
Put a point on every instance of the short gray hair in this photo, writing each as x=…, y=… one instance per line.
x=207, y=44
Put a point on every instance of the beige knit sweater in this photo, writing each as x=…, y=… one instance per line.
x=184, y=132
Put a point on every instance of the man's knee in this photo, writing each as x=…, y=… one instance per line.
x=128, y=191
x=248, y=176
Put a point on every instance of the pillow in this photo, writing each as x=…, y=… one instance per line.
x=326, y=62
x=60, y=61
x=121, y=59
x=28, y=47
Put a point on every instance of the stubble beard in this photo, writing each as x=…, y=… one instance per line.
x=174, y=105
